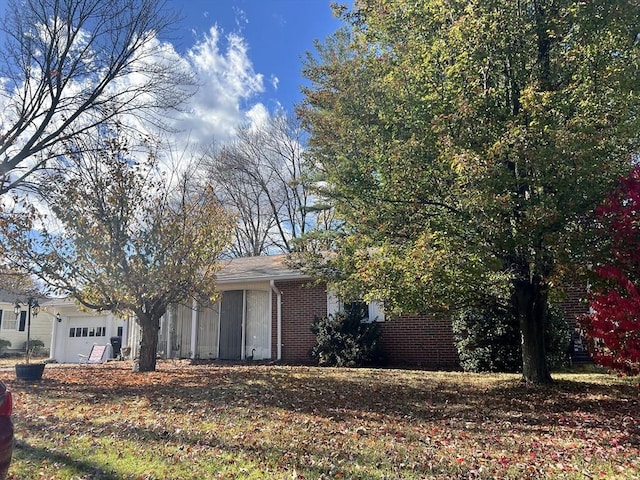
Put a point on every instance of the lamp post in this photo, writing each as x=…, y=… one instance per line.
x=33, y=308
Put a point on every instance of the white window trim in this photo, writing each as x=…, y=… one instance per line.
x=336, y=305
x=9, y=316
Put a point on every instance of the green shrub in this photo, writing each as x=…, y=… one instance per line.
x=488, y=339
x=4, y=344
x=557, y=338
x=345, y=339
x=35, y=345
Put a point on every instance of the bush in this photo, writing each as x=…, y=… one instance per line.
x=558, y=339
x=488, y=339
x=4, y=344
x=345, y=339
x=35, y=345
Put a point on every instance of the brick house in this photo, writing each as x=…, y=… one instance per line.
x=266, y=311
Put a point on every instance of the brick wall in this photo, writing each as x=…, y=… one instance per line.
x=419, y=341
x=407, y=341
x=573, y=305
x=301, y=303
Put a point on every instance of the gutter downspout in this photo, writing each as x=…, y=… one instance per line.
x=278, y=316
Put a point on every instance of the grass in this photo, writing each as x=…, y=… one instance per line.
x=262, y=422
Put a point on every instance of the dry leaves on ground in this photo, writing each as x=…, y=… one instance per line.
x=221, y=421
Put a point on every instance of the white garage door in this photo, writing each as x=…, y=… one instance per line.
x=81, y=334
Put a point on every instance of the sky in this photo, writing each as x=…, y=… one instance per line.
x=277, y=33
x=247, y=54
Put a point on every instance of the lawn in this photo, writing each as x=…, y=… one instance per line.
x=276, y=422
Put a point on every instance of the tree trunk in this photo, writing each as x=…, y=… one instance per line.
x=530, y=302
x=149, y=344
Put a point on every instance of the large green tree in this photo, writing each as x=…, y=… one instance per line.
x=466, y=143
x=120, y=235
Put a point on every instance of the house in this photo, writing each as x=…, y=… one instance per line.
x=13, y=328
x=65, y=330
x=266, y=311
x=74, y=331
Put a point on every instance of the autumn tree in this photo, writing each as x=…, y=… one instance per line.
x=70, y=65
x=614, y=321
x=120, y=236
x=263, y=177
x=17, y=283
x=466, y=144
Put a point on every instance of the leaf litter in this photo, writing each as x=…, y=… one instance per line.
x=209, y=420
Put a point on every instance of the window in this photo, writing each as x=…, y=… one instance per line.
x=87, y=332
x=375, y=312
x=12, y=323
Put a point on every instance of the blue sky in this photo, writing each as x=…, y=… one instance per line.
x=246, y=56
x=277, y=33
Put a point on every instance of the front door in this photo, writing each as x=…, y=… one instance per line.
x=231, y=309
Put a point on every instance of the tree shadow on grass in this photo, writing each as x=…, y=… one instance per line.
x=341, y=395
x=37, y=456
x=389, y=403
x=315, y=459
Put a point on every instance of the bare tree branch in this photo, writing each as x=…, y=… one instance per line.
x=264, y=177
x=70, y=65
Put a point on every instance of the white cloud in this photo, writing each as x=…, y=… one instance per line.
x=275, y=81
x=241, y=17
x=257, y=116
x=227, y=96
x=227, y=85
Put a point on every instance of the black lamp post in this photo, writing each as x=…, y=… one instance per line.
x=33, y=308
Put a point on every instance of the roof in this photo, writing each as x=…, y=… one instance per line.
x=247, y=269
x=7, y=296
x=13, y=296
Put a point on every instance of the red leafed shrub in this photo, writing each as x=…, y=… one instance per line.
x=614, y=321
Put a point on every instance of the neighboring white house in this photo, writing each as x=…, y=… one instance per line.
x=74, y=332
x=14, y=327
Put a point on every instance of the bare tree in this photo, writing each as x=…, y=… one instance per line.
x=124, y=236
x=69, y=65
x=247, y=201
x=264, y=178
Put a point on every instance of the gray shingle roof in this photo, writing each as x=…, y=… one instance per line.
x=246, y=269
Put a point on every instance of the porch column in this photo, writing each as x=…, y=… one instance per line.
x=194, y=329
x=278, y=293
x=54, y=338
x=168, y=328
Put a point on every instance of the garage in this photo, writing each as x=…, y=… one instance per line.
x=82, y=334
x=75, y=333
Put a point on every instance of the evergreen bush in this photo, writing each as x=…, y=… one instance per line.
x=488, y=339
x=346, y=339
